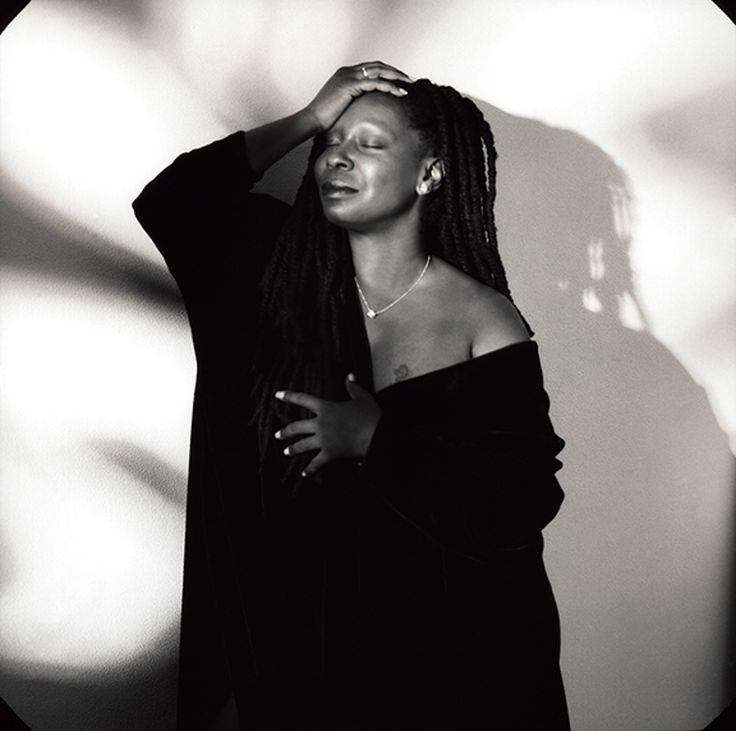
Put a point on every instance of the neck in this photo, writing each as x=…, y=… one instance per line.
x=387, y=262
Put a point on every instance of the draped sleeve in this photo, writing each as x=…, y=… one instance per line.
x=468, y=453
x=212, y=231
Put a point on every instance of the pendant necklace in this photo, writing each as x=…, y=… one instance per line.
x=371, y=313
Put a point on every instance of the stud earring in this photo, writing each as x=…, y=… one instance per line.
x=423, y=188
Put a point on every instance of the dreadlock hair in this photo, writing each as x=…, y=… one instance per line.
x=308, y=282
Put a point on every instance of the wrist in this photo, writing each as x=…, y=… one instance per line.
x=367, y=435
x=309, y=121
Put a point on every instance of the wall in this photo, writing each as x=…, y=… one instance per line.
x=614, y=126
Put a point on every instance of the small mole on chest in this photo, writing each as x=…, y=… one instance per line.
x=401, y=372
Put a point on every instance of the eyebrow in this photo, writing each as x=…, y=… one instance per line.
x=378, y=124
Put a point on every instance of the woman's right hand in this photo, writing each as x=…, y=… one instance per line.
x=348, y=83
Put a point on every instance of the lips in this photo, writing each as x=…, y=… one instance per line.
x=336, y=188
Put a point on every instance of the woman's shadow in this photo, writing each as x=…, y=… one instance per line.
x=646, y=532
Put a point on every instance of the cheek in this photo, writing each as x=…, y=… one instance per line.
x=318, y=168
x=397, y=183
x=393, y=178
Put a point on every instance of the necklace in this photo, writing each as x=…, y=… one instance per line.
x=371, y=313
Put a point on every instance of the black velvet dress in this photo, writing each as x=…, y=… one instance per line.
x=406, y=592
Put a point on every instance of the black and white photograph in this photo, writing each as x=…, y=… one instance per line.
x=367, y=366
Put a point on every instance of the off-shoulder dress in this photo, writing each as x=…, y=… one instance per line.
x=405, y=592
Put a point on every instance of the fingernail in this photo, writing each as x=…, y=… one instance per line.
x=403, y=92
x=351, y=377
x=280, y=394
x=278, y=434
x=286, y=451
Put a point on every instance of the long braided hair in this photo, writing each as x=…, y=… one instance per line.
x=308, y=283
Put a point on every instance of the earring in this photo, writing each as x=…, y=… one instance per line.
x=423, y=188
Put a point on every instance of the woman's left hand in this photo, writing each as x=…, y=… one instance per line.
x=339, y=429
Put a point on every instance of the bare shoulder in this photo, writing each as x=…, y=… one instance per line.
x=496, y=322
x=493, y=321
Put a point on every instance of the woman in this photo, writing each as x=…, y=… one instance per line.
x=372, y=460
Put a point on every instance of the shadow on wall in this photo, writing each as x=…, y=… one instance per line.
x=143, y=699
x=63, y=253
x=141, y=694
x=639, y=553
x=642, y=553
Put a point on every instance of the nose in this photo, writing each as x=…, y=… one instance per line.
x=337, y=157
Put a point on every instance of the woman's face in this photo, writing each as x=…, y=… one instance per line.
x=371, y=165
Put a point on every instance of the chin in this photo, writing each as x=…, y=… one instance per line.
x=333, y=218
x=337, y=215
x=352, y=217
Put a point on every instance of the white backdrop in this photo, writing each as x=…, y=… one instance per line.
x=614, y=122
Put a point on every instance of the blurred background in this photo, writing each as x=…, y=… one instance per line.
x=614, y=122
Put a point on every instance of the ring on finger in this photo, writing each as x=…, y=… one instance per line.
x=364, y=72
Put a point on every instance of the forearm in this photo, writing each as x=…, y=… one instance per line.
x=270, y=142
x=199, y=208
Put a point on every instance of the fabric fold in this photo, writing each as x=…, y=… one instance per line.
x=468, y=453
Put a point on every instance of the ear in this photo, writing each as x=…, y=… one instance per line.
x=432, y=176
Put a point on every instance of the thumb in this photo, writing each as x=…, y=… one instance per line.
x=351, y=386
